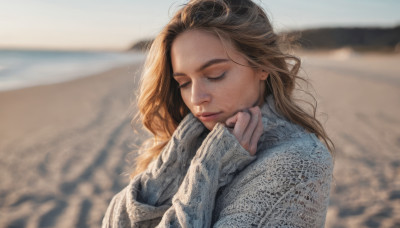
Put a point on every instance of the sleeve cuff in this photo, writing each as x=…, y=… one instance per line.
x=232, y=156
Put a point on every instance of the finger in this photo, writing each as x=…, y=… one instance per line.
x=230, y=122
x=248, y=133
x=240, y=127
x=234, y=117
x=257, y=134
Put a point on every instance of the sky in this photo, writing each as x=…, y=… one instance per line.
x=118, y=24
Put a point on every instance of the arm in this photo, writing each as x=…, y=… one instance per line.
x=150, y=192
x=214, y=165
x=293, y=191
x=160, y=181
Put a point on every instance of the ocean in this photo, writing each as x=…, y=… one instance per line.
x=24, y=68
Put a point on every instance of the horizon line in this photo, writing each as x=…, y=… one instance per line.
x=128, y=47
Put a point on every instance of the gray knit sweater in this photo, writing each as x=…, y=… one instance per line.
x=204, y=179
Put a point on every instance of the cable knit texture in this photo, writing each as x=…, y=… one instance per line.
x=207, y=179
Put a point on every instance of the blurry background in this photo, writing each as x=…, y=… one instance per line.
x=68, y=77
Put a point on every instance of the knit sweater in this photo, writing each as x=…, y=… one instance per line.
x=206, y=178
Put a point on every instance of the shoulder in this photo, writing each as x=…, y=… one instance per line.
x=288, y=145
x=302, y=146
x=304, y=151
x=279, y=168
x=285, y=182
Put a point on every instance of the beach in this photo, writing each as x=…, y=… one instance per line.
x=360, y=96
x=64, y=149
x=67, y=148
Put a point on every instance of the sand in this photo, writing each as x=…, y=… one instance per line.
x=360, y=95
x=65, y=149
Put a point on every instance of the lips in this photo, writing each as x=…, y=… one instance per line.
x=208, y=116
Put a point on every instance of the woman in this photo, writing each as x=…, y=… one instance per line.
x=230, y=147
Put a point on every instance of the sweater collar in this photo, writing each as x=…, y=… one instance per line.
x=276, y=126
x=268, y=109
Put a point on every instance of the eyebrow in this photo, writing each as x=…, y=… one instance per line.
x=204, y=66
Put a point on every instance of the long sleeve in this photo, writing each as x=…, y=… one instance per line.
x=160, y=181
x=152, y=190
x=291, y=191
x=214, y=165
x=286, y=186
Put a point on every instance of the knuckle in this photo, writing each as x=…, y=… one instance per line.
x=256, y=116
x=256, y=109
x=253, y=148
x=243, y=116
x=245, y=144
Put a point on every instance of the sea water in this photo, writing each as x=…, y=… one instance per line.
x=24, y=68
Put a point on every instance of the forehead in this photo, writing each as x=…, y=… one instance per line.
x=194, y=47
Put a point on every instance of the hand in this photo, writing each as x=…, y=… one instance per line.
x=247, y=128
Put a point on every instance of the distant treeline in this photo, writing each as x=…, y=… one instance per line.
x=357, y=38
x=360, y=39
x=143, y=45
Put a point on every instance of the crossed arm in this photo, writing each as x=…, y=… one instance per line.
x=164, y=197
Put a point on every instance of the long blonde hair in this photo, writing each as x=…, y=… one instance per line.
x=247, y=28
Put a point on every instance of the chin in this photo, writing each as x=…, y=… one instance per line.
x=210, y=125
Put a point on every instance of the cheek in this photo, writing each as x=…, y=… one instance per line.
x=238, y=94
x=186, y=99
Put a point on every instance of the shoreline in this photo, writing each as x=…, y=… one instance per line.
x=27, y=68
x=35, y=101
x=75, y=78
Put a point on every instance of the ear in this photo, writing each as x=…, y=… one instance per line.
x=263, y=75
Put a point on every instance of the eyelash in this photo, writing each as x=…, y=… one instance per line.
x=212, y=79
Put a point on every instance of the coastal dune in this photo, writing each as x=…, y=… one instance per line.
x=66, y=149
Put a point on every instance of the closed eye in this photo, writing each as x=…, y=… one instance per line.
x=183, y=85
x=217, y=78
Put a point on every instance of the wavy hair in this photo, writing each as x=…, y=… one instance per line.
x=240, y=23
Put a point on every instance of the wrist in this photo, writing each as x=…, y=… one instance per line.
x=222, y=146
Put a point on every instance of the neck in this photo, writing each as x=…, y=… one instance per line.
x=260, y=101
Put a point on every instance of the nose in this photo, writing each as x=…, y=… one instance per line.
x=200, y=93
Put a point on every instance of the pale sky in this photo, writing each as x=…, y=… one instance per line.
x=117, y=24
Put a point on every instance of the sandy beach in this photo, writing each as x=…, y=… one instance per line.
x=65, y=149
